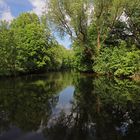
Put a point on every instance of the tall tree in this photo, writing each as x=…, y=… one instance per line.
x=7, y=49
x=74, y=16
x=31, y=42
x=70, y=17
x=132, y=13
x=106, y=13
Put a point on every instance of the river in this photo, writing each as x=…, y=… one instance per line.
x=69, y=106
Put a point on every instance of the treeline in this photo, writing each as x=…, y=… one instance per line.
x=105, y=38
x=105, y=33
x=27, y=46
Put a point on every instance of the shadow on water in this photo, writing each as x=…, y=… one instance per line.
x=69, y=106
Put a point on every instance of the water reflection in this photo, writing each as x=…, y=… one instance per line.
x=69, y=106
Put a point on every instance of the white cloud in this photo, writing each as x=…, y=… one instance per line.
x=6, y=15
x=38, y=6
x=5, y=12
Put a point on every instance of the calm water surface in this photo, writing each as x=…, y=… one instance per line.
x=69, y=106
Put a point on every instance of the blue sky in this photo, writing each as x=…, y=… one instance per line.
x=10, y=9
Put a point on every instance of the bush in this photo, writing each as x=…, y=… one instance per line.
x=120, y=61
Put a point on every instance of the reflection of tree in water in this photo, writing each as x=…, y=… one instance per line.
x=25, y=102
x=119, y=100
x=103, y=108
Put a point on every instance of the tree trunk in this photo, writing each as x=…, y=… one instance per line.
x=98, y=41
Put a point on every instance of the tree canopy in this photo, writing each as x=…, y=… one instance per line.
x=105, y=38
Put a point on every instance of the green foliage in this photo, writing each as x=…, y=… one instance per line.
x=72, y=17
x=83, y=57
x=119, y=61
x=130, y=64
x=26, y=46
x=7, y=49
x=25, y=19
x=31, y=47
x=30, y=43
x=132, y=10
x=57, y=57
x=68, y=59
x=96, y=29
x=96, y=23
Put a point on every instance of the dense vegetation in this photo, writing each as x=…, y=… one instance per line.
x=105, y=33
x=26, y=46
x=105, y=38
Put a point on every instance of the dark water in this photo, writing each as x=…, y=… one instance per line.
x=69, y=106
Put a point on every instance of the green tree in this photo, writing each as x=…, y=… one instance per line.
x=106, y=14
x=73, y=17
x=31, y=42
x=7, y=49
x=132, y=12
